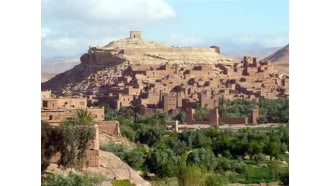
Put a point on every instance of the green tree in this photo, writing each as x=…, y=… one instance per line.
x=274, y=169
x=109, y=113
x=190, y=176
x=215, y=180
x=78, y=133
x=136, y=108
x=164, y=163
x=284, y=177
x=254, y=147
x=181, y=117
x=135, y=158
x=128, y=132
x=51, y=142
x=202, y=157
x=223, y=164
x=259, y=158
x=272, y=148
x=248, y=171
x=150, y=135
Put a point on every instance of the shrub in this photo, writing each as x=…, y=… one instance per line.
x=128, y=132
x=73, y=179
x=215, y=180
x=122, y=183
x=190, y=176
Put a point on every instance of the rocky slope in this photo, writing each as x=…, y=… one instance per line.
x=101, y=64
x=111, y=167
x=280, y=59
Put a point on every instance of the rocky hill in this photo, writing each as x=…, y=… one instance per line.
x=280, y=59
x=101, y=64
x=143, y=71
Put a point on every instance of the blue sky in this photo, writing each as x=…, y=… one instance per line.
x=69, y=27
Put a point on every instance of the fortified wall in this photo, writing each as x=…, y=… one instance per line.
x=213, y=118
x=135, y=50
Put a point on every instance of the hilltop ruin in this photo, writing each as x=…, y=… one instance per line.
x=161, y=77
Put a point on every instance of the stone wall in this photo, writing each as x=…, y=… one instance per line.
x=46, y=94
x=214, y=118
x=233, y=120
x=110, y=127
x=66, y=103
x=97, y=113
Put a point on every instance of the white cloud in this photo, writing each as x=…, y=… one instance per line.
x=67, y=24
x=107, y=10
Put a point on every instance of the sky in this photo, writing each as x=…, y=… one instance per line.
x=68, y=28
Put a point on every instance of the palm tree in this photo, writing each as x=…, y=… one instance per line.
x=84, y=117
x=136, y=109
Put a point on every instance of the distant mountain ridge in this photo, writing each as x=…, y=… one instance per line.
x=59, y=65
x=51, y=67
x=260, y=53
x=280, y=59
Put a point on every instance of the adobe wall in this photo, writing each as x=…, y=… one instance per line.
x=157, y=73
x=76, y=103
x=233, y=120
x=169, y=102
x=172, y=51
x=214, y=116
x=190, y=116
x=97, y=113
x=58, y=115
x=110, y=127
x=52, y=116
x=46, y=94
x=49, y=103
x=254, y=116
x=101, y=57
x=133, y=91
x=124, y=101
x=135, y=34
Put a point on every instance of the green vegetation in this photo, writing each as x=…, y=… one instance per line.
x=270, y=111
x=243, y=156
x=71, y=139
x=73, y=179
x=122, y=183
x=236, y=108
x=134, y=158
x=216, y=157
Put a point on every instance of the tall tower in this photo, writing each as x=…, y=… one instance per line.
x=135, y=35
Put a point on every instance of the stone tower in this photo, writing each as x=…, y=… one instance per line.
x=135, y=35
x=254, y=116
